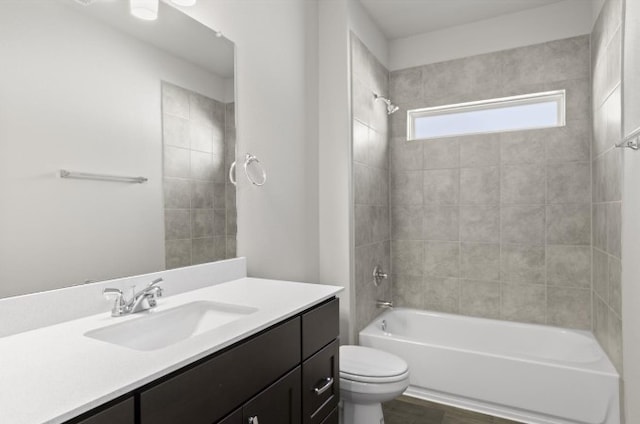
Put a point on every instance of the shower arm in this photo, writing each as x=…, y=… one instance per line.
x=391, y=108
x=384, y=99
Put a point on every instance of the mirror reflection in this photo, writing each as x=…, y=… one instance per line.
x=86, y=87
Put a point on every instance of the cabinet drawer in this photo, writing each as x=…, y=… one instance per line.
x=319, y=327
x=120, y=413
x=278, y=404
x=209, y=391
x=320, y=384
x=332, y=418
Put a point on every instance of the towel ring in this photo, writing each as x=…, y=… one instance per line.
x=257, y=179
x=232, y=173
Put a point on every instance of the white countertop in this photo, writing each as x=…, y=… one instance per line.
x=55, y=373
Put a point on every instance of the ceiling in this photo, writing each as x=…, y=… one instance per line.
x=403, y=18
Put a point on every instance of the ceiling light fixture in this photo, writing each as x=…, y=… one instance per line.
x=184, y=3
x=144, y=9
x=148, y=9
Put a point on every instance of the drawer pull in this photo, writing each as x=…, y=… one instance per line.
x=326, y=385
x=253, y=420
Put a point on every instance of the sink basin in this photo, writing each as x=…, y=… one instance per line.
x=156, y=330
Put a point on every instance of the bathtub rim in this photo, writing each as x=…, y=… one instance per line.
x=601, y=366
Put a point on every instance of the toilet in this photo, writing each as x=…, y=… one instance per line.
x=369, y=377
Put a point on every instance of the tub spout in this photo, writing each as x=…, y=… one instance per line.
x=385, y=304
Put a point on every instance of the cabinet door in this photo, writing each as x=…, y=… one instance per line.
x=320, y=326
x=207, y=392
x=120, y=413
x=278, y=404
x=332, y=418
x=320, y=384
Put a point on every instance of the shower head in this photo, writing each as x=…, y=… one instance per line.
x=391, y=108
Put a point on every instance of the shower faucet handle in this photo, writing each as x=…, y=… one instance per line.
x=379, y=275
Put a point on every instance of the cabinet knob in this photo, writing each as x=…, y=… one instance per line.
x=253, y=420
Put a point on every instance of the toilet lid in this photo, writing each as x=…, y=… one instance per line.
x=365, y=364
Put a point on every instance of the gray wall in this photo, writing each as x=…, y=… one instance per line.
x=370, y=180
x=495, y=225
x=606, y=47
x=200, y=212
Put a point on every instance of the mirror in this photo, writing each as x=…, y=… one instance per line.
x=85, y=87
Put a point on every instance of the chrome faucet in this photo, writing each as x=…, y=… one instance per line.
x=385, y=304
x=143, y=300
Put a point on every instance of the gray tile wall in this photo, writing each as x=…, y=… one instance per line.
x=198, y=144
x=370, y=140
x=606, y=64
x=495, y=225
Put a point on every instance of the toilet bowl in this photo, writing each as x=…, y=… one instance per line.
x=369, y=377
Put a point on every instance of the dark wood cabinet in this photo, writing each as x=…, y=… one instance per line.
x=332, y=418
x=233, y=418
x=321, y=384
x=287, y=374
x=278, y=404
x=119, y=413
x=320, y=326
x=206, y=393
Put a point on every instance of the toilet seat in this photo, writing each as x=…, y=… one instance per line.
x=366, y=365
x=379, y=380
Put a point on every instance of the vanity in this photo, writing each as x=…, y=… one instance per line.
x=257, y=351
x=285, y=374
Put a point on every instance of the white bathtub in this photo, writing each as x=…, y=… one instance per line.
x=530, y=373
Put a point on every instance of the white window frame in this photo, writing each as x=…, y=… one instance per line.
x=559, y=96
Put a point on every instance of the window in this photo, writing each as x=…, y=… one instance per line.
x=526, y=112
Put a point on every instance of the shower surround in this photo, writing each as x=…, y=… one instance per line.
x=606, y=61
x=519, y=226
x=370, y=180
x=495, y=225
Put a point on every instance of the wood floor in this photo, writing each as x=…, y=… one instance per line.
x=406, y=410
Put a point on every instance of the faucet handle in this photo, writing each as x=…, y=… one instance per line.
x=108, y=292
x=119, y=303
x=379, y=275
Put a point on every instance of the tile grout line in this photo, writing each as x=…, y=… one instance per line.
x=593, y=186
x=459, y=231
x=546, y=259
x=500, y=188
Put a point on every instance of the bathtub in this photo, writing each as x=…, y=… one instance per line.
x=524, y=372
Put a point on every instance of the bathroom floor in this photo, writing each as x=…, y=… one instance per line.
x=405, y=410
